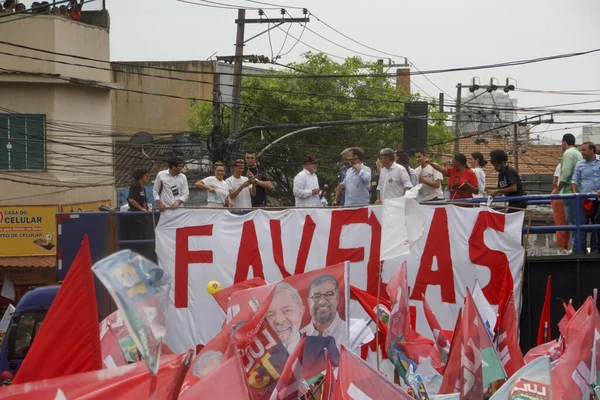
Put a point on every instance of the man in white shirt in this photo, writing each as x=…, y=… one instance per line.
x=323, y=301
x=394, y=180
x=171, y=186
x=241, y=188
x=429, y=177
x=306, y=185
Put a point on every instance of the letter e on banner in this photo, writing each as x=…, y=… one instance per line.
x=184, y=257
x=482, y=255
x=339, y=219
x=438, y=246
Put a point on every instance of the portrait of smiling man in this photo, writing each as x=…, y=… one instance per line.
x=323, y=302
x=285, y=315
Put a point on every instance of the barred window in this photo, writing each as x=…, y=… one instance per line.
x=22, y=142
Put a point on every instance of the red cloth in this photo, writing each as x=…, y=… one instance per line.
x=228, y=381
x=456, y=179
x=69, y=340
x=127, y=382
x=358, y=380
x=545, y=318
x=222, y=297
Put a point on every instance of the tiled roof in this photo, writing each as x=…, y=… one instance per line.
x=533, y=159
x=32, y=261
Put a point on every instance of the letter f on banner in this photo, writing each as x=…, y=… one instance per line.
x=184, y=257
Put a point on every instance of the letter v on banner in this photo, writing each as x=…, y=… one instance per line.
x=308, y=232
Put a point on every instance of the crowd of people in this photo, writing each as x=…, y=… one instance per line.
x=391, y=177
x=72, y=10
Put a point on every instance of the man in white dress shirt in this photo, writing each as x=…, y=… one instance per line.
x=306, y=185
x=394, y=180
x=323, y=301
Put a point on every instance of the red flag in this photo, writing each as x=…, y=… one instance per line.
x=544, y=328
x=505, y=293
x=228, y=381
x=452, y=373
x=569, y=313
x=369, y=303
x=128, y=382
x=575, y=324
x=73, y=313
x=397, y=289
x=553, y=349
x=358, y=380
x=508, y=339
x=441, y=341
x=112, y=353
x=222, y=297
x=574, y=371
x=328, y=383
x=289, y=385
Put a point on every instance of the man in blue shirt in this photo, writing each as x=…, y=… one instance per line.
x=586, y=179
x=357, y=182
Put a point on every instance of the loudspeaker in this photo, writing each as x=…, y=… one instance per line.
x=415, y=126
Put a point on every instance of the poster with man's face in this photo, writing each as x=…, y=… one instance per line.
x=311, y=304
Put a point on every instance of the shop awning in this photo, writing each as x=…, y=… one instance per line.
x=40, y=261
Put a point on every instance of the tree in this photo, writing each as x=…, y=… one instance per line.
x=271, y=101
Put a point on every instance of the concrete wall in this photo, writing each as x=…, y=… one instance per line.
x=134, y=112
x=79, y=147
x=58, y=35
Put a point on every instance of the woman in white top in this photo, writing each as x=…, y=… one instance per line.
x=476, y=162
x=217, y=188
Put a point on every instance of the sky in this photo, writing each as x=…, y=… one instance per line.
x=431, y=34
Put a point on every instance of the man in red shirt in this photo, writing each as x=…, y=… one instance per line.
x=462, y=181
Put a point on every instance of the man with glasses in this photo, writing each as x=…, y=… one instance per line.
x=357, y=180
x=323, y=301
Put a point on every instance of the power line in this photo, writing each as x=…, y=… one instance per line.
x=340, y=76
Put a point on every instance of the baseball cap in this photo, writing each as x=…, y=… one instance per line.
x=311, y=160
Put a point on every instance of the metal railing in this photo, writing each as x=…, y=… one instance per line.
x=578, y=228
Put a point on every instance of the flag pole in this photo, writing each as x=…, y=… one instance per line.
x=377, y=313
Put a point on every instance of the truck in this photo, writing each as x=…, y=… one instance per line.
x=25, y=323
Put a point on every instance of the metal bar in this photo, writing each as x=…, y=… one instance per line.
x=138, y=241
x=270, y=20
x=263, y=32
x=578, y=210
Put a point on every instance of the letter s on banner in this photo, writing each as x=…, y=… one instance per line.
x=480, y=254
x=184, y=257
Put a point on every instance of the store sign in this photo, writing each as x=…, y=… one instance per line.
x=84, y=207
x=28, y=230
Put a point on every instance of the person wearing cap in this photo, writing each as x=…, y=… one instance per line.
x=306, y=185
x=241, y=188
x=394, y=180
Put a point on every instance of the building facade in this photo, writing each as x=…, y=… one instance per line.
x=56, y=147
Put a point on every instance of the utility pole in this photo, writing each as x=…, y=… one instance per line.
x=516, y=146
x=216, y=110
x=239, y=57
x=441, y=102
x=457, y=117
x=237, y=71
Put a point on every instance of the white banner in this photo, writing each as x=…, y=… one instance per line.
x=459, y=245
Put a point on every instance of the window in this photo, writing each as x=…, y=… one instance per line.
x=28, y=326
x=22, y=141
